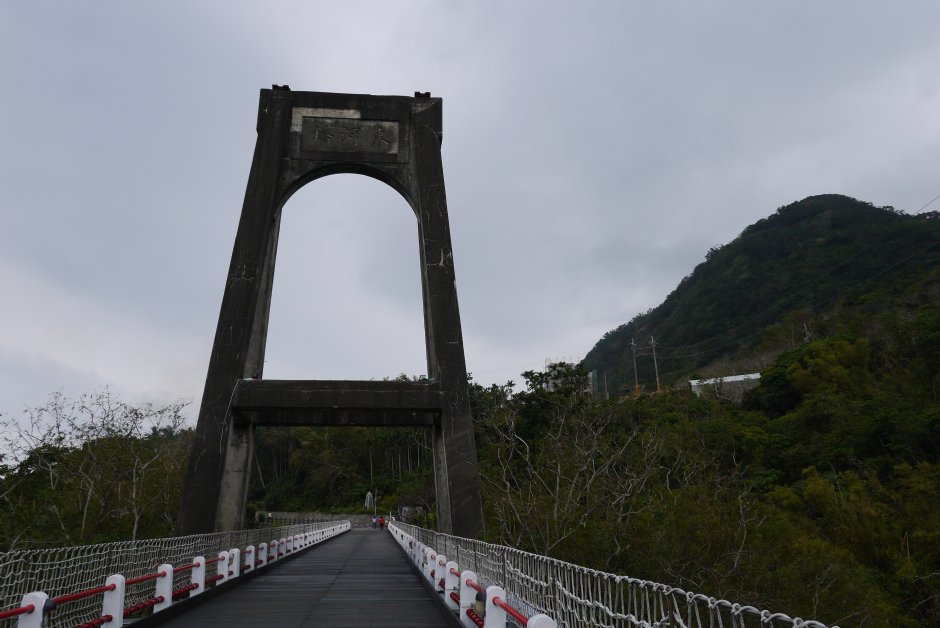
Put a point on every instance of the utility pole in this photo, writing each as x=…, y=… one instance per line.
x=807, y=333
x=655, y=365
x=636, y=380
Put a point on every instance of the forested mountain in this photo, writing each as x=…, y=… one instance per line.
x=800, y=274
x=821, y=493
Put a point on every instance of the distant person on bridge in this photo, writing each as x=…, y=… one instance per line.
x=381, y=523
x=373, y=521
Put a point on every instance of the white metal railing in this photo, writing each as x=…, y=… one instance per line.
x=102, y=584
x=476, y=605
x=575, y=596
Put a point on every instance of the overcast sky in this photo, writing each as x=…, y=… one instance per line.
x=593, y=152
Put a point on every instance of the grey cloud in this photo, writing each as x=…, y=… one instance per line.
x=592, y=152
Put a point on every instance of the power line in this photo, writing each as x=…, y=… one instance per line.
x=929, y=203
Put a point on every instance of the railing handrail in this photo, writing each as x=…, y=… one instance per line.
x=13, y=612
x=466, y=603
x=569, y=592
x=35, y=606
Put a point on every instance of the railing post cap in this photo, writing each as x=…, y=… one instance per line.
x=541, y=621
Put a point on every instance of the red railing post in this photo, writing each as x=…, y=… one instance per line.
x=221, y=567
x=198, y=576
x=451, y=583
x=234, y=562
x=468, y=596
x=163, y=588
x=439, y=567
x=113, y=602
x=249, y=558
x=262, y=554
x=31, y=618
x=494, y=614
x=429, y=563
x=421, y=555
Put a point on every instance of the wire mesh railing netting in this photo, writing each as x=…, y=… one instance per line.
x=58, y=571
x=576, y=596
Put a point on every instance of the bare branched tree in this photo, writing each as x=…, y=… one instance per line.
x=91, y=467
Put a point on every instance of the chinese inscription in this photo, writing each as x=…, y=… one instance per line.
x=344, y=135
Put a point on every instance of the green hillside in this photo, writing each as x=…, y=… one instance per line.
x=803, y=273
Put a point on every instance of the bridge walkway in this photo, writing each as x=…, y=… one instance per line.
x=358, y=579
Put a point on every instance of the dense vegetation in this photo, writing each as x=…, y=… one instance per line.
x=786, y=278
x=302, y=469
x=819, y=496
x=98, y=469
x=90, y=470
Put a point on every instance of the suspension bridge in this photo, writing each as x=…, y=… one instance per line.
x=330, y=573
x=333, y=575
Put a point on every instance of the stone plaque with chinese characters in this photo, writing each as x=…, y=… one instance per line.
x=347, y=135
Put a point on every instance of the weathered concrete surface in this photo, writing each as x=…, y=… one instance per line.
x=303, y=136
x=337, y=402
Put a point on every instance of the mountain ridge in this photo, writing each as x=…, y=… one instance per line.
x=794, y=274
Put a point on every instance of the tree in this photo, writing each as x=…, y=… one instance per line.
x=92, y=469
x=555, y=461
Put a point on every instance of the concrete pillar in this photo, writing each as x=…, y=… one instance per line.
x=213, y=494
x=303, y=136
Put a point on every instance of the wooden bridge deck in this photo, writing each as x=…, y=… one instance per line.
x=358, y=579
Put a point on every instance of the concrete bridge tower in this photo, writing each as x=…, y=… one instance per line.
x=303, y=136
